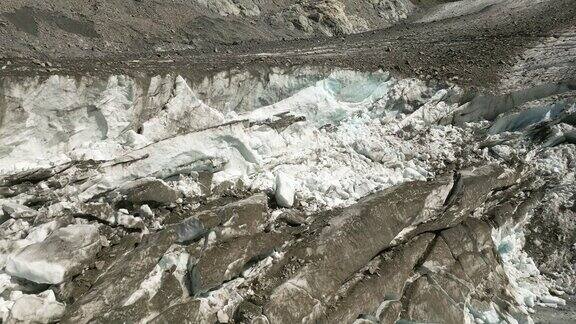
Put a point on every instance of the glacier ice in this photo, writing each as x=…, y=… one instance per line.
x=342, y=145
x=314, y=139
x=284, y=190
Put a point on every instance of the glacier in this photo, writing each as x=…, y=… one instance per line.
x=342, y=146
x=315, y=139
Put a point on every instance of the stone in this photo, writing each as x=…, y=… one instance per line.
x=129, y=221
x=244, y=217
x=293, y=218
x=15, y=210
x=41, y=308
x=240, y=218
x=285, y=190
x=60, y=255
x=151, y=190
x=188, y=230
x=100, y=211
x=146, y=211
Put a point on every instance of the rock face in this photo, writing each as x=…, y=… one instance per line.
x=120, y=279
x=432, y=278
x=225, y=261
x=60, y=256
x=340, y=246
x=234, y=268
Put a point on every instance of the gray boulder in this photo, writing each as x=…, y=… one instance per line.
x=61, y=255
x=151, y=190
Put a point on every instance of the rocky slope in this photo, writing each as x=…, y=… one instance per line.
x=472, y=43
x=96, y=28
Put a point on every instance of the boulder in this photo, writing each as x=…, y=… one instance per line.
x=129, y=221
x=41, y=308
x=244, y=217
x=236, y=219
x=293, y=218
x=151, y=190
x=100, y=211
x=60, y=255
x=285, y=190
x=15, y=210
x=188, y=230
